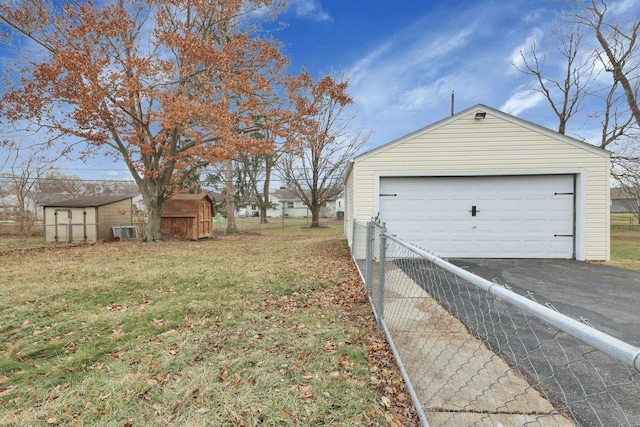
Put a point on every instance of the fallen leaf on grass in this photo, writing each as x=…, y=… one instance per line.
x=233, y=382
x=6, y=390
x=223, y=374
x=393, y=421
x=386, y=401
x=306, y=391
x=335, y=375
x=3, y=379
x=173, y=349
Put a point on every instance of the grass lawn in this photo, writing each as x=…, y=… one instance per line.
x=625, y=242
x=285, y=227
x=234, y=331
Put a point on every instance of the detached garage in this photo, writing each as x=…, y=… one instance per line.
x=485, y=184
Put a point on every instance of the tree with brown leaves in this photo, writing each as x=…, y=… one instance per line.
x=165, y=85
x=320, y=140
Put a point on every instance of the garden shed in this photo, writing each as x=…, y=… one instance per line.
x=485, y=184
x=87, y=219
x=188, y=216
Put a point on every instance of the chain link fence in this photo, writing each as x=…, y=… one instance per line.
x=625, y=237
x=14, y=236
x=475, y=353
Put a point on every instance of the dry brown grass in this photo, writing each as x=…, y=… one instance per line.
x=238, y=330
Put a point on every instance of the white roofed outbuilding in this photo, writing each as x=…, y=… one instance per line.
x=485, y=184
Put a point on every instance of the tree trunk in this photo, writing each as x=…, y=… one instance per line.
x=231, y=206
x=315, y=217
x=154, y=202
x=152, y=230
x=265, y=190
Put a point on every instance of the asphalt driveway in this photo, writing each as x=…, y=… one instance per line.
x=601, y=390
x=608, y=297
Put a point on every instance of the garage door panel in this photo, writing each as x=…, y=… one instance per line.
x=516, y=216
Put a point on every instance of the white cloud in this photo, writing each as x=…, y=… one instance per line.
x=522, y=100
x=426, y=50
x=525, y=48
x=309, y=9
x=622, y=7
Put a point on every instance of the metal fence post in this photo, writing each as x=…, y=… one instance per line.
x=381, y=279
x=353, y=239
x=369, y=259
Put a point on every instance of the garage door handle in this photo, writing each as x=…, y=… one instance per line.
x=474, y=211
x=563, y=235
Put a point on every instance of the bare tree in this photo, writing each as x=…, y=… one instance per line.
x=626, y=171
x=614, y=117
x=26, y=167
x=255, y=171
x=321, y=141
x=565, y=93
x=229, y=197
x=57, y=185
x=618, y=41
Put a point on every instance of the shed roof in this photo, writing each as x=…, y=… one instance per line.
x=184, y=205
x=87, y=202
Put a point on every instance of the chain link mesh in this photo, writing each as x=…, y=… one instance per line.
x=475, y=359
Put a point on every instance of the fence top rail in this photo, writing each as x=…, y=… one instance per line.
x=626, y=353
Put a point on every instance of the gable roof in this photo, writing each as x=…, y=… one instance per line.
x=480, y=108
x=285, y=194
x=87, y=202
x=184, y=205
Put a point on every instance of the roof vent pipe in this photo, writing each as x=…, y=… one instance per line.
x=453, y=94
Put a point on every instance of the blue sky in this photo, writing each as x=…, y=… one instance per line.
x=405, y=57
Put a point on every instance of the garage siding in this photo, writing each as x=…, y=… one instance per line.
x=491, y=146
x=349, y=205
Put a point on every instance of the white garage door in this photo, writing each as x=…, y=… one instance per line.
x=483, y=217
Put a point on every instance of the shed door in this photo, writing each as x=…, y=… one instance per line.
x=204, y=223
x=483, y=217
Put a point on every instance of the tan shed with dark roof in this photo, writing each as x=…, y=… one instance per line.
x=188, y=216
x=86, y=219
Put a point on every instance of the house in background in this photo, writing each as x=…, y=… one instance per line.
x=287, y=204
x=333, y=209
x=625, y=200
x=9, y=208
x=284, y=202
x=188, y=216
x=87, y=219
x=485, y=184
